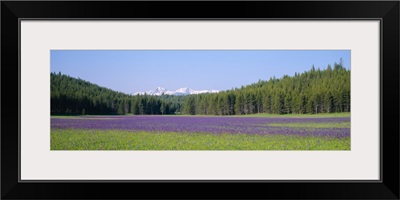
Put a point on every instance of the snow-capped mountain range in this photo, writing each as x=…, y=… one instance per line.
x=181, y=91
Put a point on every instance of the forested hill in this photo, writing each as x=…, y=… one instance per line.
x=313, y=91
x=73, y=96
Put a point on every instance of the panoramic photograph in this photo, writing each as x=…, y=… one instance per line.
x=160, y=100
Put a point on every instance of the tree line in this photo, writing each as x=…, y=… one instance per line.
x=74, y=96
x=313, y=91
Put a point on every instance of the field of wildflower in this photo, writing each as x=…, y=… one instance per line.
x=156, y=132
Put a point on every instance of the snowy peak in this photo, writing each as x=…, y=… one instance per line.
x=158, y=90
x=184, y=91
x=181, y=91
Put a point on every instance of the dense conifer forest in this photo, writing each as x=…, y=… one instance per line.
x=310, y=92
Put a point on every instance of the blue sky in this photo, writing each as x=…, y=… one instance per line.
x=131, y=71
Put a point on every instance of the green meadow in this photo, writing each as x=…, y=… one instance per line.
x=132, y=140
x=91, y=139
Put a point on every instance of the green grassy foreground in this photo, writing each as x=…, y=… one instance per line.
x=312, y=125
x=320, y=115
x=128, y=140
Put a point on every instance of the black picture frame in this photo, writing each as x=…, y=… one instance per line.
x=386, y=11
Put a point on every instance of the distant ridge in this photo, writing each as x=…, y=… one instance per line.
x=181, y=91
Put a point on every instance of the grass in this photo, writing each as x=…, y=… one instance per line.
x=85, y=116
x=66, y=117
x=321, y=115
x=312, y=125
x=73, y=139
